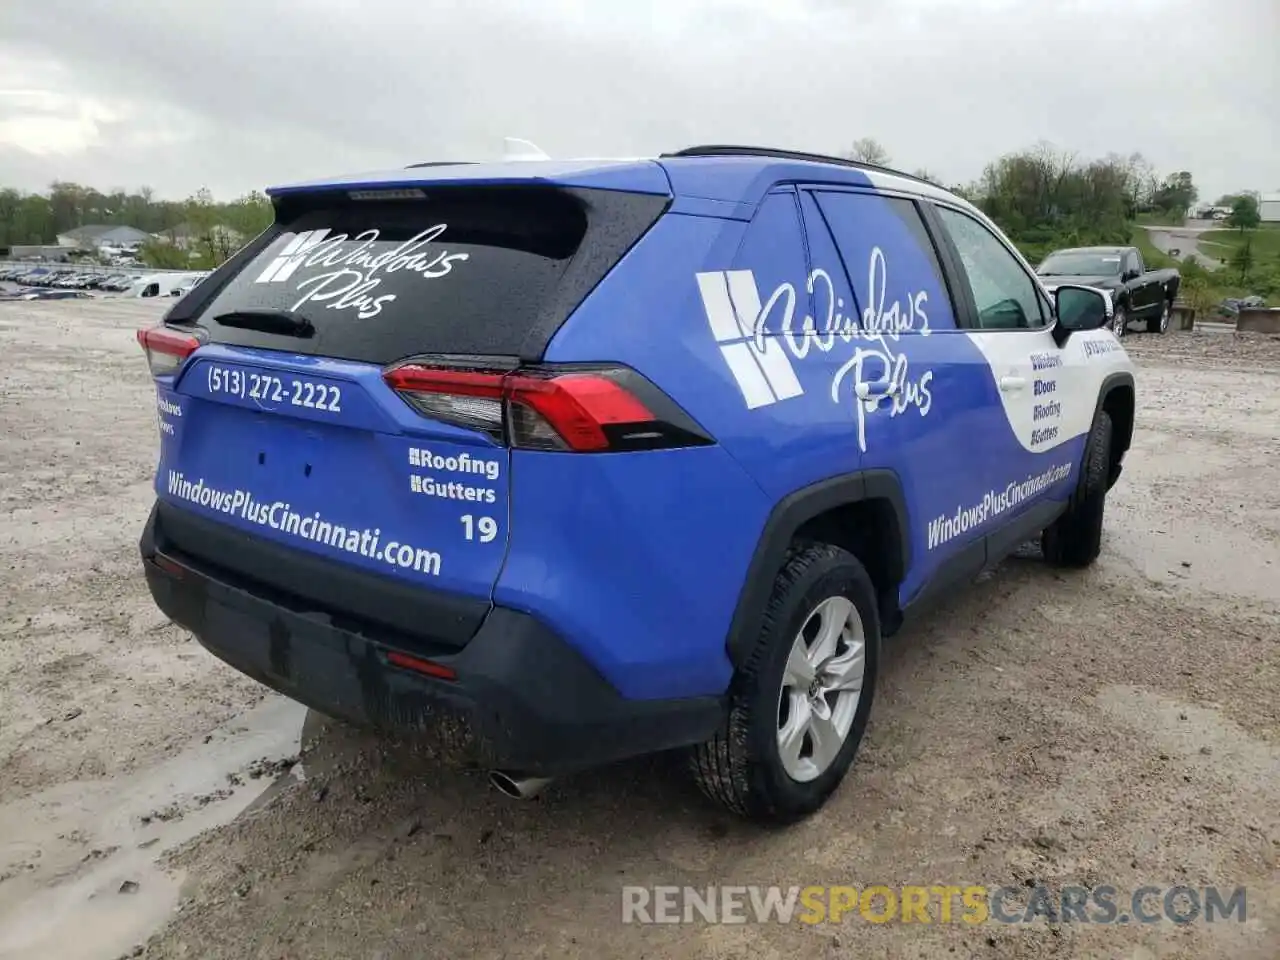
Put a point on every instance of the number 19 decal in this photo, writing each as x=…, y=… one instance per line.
x=487, y=527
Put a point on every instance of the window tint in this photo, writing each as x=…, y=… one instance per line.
x=1004, y=294
x=759, y=296
x=465, y=270
x=890, y=261
x=773, y=247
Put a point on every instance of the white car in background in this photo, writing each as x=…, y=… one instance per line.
x=186, y=284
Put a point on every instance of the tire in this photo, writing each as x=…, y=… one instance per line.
x=1075, y=538
x=1160, y=324
x=743, y=766
x=1120, y=322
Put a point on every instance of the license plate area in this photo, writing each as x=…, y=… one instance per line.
x=284, y=392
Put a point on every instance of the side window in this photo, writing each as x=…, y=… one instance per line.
x=1004, y=294
x=759, y=295
x=773, y=246
x=890, y=261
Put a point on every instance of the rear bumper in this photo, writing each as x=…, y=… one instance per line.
x=522, y=699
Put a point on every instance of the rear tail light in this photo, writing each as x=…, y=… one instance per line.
x=166, y=349
x=569, y=409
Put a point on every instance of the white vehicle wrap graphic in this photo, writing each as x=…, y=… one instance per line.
x=758, y=341
x=292, y=256
x=760, y=367
x=947, y=527
x=354, y=274
x=314, y=527
x=1048, y=393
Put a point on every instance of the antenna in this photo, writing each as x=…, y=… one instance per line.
x=514, y=148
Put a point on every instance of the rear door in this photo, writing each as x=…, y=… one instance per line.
x=286, y=423
x=913, y=384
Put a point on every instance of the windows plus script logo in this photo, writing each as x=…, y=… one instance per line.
x=292, y=256
x=759, y=364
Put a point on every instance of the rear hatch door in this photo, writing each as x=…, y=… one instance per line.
x=282, y=425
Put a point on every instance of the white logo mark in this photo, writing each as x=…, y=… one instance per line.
x=291, y=257
x=759, y=365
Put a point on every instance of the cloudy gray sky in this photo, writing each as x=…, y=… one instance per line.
x=238, y=94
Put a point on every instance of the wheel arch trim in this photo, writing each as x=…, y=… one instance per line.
x=785, y=520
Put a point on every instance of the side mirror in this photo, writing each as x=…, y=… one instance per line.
x=1080, y=308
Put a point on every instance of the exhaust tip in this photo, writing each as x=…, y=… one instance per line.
x=517, y=787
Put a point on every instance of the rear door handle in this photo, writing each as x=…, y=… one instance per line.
x=1012, y=384
x=877, y=388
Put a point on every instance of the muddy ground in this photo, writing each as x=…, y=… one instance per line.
x=1120, y=726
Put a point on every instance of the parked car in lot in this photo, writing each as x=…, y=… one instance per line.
x=107, y=280
x=184, y=284
x=41, y=294
x=119, y=282
x=603, y=458
x=1140, y=295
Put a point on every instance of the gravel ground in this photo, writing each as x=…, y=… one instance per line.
x=1119, y=726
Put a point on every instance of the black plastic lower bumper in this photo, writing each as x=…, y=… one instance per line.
x=522, y=699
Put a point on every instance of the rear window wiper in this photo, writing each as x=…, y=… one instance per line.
x=284, y=322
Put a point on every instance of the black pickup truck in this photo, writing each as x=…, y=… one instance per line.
x=1139, y=294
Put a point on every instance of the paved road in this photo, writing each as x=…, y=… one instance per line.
x=1185, y=239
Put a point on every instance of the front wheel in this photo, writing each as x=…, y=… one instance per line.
x=799, y=706
x=1119, y=322
x=1075, y=538
x=1160, y=324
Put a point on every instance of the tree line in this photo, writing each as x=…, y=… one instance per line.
x=1045, y=199
x=1042, y=197
x=212, y=230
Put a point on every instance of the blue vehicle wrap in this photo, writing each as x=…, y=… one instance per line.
x=321, y=455
x=797, y=323
x=768, y=346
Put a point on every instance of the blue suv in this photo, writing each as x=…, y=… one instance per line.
x=598, y=458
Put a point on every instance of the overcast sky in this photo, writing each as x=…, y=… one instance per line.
x=238, y=94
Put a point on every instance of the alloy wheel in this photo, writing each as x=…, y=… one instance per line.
x=821, y=687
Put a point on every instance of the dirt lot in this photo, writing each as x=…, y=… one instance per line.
x=1117, y=727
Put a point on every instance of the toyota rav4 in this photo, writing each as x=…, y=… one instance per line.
x=601, y=458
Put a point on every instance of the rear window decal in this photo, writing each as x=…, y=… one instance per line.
x=353, y=273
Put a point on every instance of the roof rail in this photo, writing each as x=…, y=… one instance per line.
x=438, y=163
x=722, y=150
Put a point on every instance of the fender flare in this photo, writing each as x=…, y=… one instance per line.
x=786, y=518
x=1111, y=382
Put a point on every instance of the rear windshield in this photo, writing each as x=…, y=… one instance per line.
x=458, y=270
x=1072, y=264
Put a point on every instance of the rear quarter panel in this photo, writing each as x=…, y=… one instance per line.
x=640, y=558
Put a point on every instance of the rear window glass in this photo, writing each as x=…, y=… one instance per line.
x=461, y=270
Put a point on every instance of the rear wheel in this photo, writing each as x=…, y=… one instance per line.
x=1160, y=324
x=799, y=706
x=1075, y=538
